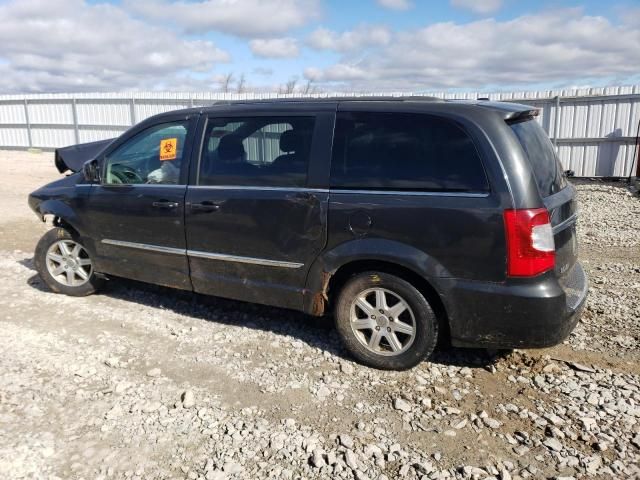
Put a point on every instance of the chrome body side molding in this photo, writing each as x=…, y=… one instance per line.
x=239, y=259
x=206, y=255
x=144, y=246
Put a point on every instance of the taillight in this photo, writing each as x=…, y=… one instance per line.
x=530, y=246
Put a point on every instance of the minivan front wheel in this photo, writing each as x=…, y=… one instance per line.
x=385, y=322
x=64, y=264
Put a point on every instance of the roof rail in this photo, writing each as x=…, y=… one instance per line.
x=354, y=98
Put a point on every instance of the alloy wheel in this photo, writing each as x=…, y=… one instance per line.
x=68, y=263
x=382, y=321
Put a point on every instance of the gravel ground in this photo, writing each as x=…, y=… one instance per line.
x=143, y=382
x=609, y=234
x=609, y=215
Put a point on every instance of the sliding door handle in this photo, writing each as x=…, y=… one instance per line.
x=165, y=204
x=206, y=206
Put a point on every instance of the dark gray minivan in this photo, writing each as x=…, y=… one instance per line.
x=411, y=219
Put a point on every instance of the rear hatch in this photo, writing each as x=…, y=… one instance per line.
x=558, y=195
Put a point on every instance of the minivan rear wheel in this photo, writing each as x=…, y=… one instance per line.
x=385, y=322
x=64, y=264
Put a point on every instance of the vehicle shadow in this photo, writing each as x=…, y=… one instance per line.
x=317, y=332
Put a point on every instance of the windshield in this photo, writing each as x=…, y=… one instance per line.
x=542, y=156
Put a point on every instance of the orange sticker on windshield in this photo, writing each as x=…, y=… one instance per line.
x=168, y=149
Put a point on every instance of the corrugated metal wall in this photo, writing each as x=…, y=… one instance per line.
x=594, y=129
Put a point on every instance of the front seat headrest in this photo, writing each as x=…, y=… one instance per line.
x=231, y=148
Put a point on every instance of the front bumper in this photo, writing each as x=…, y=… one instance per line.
x=520, y=313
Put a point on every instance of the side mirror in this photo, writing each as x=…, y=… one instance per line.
x=91, y=171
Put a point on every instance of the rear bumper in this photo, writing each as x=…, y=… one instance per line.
x=530, y=313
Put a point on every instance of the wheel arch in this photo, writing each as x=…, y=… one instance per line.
x=61, y=215
x=332, y=270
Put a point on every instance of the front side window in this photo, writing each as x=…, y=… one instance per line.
x=256, y=151
x=398, y=151
x=152, y=156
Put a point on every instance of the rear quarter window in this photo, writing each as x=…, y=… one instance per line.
x=542, y=157
x=398, y=151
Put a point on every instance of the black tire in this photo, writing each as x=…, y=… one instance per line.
x=423, y=317
x=40, y=259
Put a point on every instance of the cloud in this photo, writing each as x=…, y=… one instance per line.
x=77, y=45
x=244, y=18
x=478, y=6
x=629, y=15
x=562, y=46
x=56, y=45
x=396, y=4
x=340, y=72
x=364, y=36
x=264, y=71
x=275, y=47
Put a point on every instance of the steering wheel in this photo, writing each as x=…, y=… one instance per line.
x=126, y=175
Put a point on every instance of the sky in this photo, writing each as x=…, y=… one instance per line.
x=317, y=45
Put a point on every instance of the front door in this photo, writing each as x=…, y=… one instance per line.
x=253, y=224
x=137, y=212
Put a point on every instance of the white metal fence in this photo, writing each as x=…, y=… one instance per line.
x=594, y=129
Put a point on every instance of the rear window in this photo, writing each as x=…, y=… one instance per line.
x=398, y=151
x=542, y=156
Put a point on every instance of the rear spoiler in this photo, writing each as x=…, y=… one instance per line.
x=511, y=112
x=520, y=116
x=74, y=157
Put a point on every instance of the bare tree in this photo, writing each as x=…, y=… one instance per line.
x=309, y=87
x=290, y=86
x=225, y=82
x=241, y=84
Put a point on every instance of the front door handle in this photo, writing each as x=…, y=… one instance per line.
x=206, y=206
x=165, y=204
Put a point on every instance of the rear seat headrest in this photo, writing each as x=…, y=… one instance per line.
x=290, y=141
